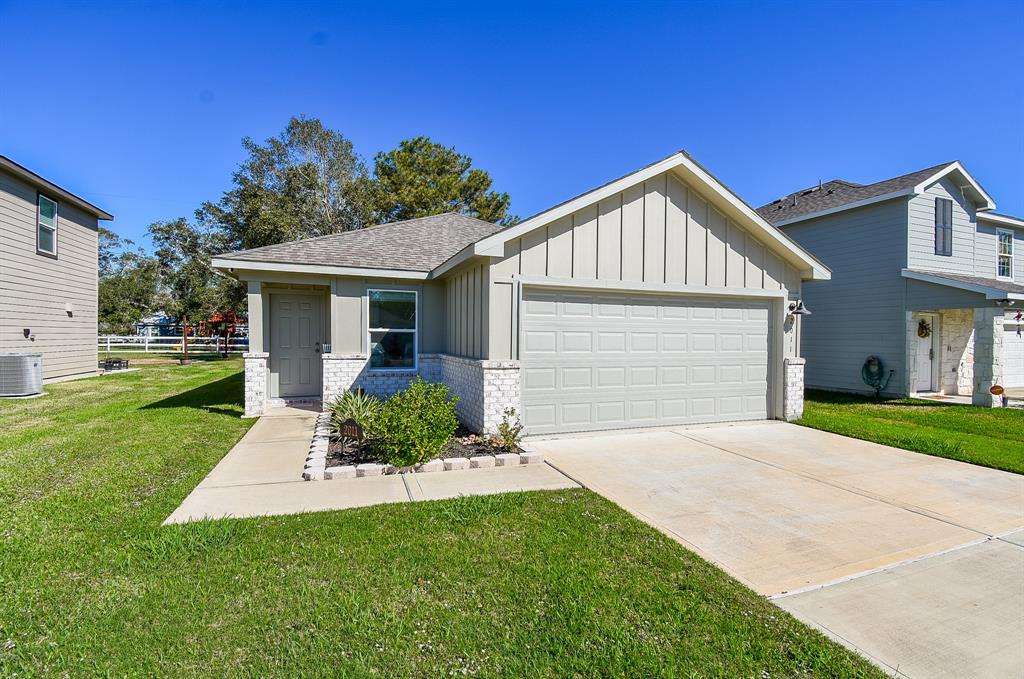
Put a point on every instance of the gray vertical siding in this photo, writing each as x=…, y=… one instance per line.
x=35, y=290
x=860, y=312
x=659, y=231
x=467, y=309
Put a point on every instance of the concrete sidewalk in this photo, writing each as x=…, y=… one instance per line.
x=261, y=476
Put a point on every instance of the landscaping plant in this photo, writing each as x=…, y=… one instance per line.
x=354, y=405
x=415, y=425
x=509, y=432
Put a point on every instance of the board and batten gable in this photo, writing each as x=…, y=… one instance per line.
x=466, y=310
x=661, y=231
x=860, y=311
x=56, y=299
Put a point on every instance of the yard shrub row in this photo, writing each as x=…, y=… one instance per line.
x=409, y=428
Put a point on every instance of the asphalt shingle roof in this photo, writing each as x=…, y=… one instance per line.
x=995, y=283
x=837, y=193
x=420, y=244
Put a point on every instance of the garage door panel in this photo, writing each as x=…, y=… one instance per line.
x=1013, y=351
x=643, y=342
x=606, y=361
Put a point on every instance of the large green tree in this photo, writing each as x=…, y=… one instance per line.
x=191, y=289
x=128, y=280
x=422, y=178
x=307, y=181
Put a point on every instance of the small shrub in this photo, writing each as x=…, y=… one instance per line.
x=509, y=432
x=415, y=425
x=354, y=405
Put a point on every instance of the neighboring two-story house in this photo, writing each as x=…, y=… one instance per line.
x=925, y=277
x=48, y=272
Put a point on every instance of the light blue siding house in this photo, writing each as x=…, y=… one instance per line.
x=924, y=278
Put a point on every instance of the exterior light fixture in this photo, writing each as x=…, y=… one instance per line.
x=797, y=308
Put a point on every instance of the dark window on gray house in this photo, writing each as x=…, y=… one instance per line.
x=944, y=227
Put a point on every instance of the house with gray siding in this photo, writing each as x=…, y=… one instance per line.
x=925, y=278
x=658, y=298
x=48, y=272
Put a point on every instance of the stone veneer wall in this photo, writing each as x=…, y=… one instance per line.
x=956, y=359
x=793, y=396
x=485, y=388
x=255, y=383
x=988, y=355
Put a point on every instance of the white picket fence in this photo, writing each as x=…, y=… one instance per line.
x=128, y=344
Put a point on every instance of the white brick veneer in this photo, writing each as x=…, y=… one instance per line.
x=793, y=396
x=988, y=355
x=255, y=383
x=485, y=388
x=956, y=360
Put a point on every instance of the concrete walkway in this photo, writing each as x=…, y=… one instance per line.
x=913, y=560
x=261, y=476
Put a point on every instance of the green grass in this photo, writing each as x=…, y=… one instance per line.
x=532, y=584
x=992, y=437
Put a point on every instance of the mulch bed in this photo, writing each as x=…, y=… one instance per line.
x=464, y=444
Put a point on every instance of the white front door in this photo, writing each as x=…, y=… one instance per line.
x=593, y=361
x=925, y=357
x=294, y=346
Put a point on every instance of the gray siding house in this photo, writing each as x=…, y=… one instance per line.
x=924, y=277
x=658, y=298
x=48, y=272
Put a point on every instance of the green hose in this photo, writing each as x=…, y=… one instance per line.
x=873, y=374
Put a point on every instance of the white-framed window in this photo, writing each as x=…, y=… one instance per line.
x=46, y=226
x=391, y=329
x=1004, y=253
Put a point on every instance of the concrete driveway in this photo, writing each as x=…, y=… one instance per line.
x=915, y=561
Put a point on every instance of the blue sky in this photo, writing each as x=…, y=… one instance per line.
x=140, y=106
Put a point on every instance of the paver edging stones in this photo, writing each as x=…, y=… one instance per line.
x=316, y=469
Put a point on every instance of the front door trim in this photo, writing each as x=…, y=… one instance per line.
x=274, y=351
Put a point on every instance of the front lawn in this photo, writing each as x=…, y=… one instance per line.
x=553, y=584
x=992, y=437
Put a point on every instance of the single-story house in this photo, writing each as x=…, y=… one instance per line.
x=658, y=298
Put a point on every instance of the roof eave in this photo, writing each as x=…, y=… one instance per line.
x=989, y=292
x=680, y=162
x=229, y=266
x=1001, y=219
x=39, y=181
x=902, y=193
x=987, y=203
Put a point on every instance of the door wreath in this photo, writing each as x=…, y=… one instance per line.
x=924, y=329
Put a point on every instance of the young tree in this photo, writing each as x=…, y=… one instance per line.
x=305, y=182
x=422, y=178
x=190, y=287
x=128, y=280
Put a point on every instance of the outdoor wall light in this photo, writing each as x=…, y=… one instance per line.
x=797, y=308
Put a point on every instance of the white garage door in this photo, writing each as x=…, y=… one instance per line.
x=1013, y=351
x=598, y=361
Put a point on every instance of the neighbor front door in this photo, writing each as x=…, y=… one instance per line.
x=294, y=346
x=925, y=357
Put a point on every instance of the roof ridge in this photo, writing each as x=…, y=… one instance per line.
x=363, y=228
x=932, y=169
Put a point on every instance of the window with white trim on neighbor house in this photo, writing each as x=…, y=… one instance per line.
x=46, y=226
x=392, y=329
x=1004, y=254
